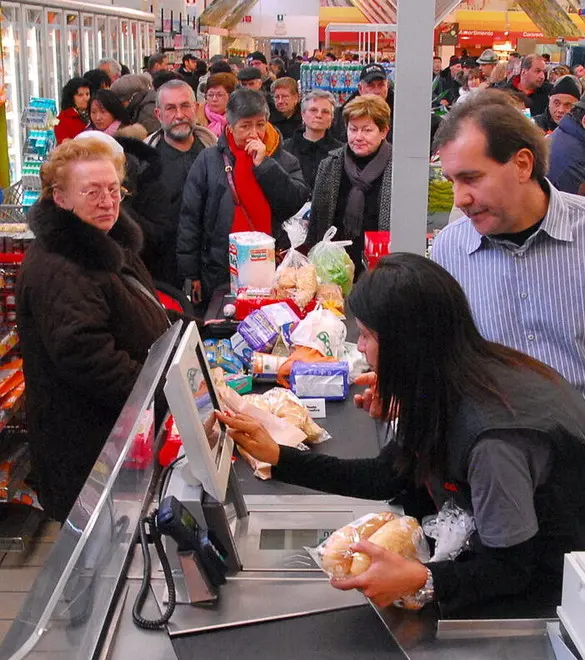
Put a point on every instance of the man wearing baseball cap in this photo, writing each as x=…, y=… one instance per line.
x=565, y=93
x=187, y=70
x=447, y=86
x=487, y=62
x=373, y=80
x=258, y=61
x=567, y=150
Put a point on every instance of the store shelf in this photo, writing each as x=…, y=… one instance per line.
x=20, y=460
x=8, y=342
x=7, y=414
x=18, y=524
x=11, y=257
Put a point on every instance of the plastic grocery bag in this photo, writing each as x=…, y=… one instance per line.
x=400, y=534
x=321, y=330
x=295, y=277
x=333, y=264
x=451, y=528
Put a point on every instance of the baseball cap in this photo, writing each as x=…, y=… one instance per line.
x=249, y=73
x=453, y=60
x=257, y=55
x=373, y=72
x=487, y=57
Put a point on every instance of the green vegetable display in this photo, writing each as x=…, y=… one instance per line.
x=440, y=196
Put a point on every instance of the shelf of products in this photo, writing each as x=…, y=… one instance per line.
x=339, y=78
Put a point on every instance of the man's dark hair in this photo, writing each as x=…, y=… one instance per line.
x=506, y=130
x=187, y=58
x=577, y=113
x=162, y=77
x=157, y=58
x=528, y=61
x=220, y=67
x=97, y=79
x=438, y=57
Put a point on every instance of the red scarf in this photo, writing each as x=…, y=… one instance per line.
x=251, y=196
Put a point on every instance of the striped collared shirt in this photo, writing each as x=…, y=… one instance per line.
x=532, y=297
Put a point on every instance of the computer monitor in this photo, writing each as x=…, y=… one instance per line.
x=192, y=399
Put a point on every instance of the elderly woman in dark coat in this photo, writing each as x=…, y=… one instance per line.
x=86, y=314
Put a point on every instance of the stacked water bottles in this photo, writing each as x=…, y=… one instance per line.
x=339, y=78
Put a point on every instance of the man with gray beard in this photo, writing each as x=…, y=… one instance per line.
x=179, y=142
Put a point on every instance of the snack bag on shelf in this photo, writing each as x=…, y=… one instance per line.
x=333, y=264
x=400, y=534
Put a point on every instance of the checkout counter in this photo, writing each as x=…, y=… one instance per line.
x=279, y=605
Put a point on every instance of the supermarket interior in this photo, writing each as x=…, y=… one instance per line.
x=292, y=329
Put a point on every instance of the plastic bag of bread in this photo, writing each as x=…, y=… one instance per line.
x=400, y=534
x=330, y=296
x=334, y=554
x=295, y=277
x=286, y=405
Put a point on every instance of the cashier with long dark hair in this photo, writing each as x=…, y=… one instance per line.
x=486, y=425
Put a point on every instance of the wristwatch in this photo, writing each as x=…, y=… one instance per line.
x=426, y=594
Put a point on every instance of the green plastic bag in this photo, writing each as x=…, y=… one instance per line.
x=333, y=264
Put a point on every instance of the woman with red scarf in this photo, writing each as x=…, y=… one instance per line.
x=248, y=182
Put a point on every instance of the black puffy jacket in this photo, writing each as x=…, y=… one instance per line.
x=208, y=211
x=85, y=332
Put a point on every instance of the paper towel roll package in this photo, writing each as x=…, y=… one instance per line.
x=251, y=260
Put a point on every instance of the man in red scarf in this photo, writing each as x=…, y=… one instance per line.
x=248, y=182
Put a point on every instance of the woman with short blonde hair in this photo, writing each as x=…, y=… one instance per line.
x=87, y=315
x=353, y=185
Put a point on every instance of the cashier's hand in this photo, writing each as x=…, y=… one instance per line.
x=389, y=577
x=257, y=149
x=369, y=400
x=251, y=436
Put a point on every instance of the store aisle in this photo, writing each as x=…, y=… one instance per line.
x=18, y=571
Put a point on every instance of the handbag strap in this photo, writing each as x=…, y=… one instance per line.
x=230, y=177
x=137, y=284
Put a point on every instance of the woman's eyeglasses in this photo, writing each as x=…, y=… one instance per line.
x=97, y=195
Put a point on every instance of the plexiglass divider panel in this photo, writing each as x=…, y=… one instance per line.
x=72, y=52
x=67, y=607
x=88, y=55
x=53, y=52
x=12, y=50
x=113, y=35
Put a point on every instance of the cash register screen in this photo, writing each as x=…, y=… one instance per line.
x=192, y=399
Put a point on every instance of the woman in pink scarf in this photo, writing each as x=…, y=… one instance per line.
x=106, y=112
x=212, y=114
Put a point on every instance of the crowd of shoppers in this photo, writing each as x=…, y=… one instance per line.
x=232, y=145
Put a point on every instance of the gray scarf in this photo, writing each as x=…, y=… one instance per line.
x=361, y=184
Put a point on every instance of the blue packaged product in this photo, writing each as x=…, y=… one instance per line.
x=320, y=380
x=210, y=346
x=227, y=359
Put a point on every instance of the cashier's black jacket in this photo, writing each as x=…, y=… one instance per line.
x=552, y=410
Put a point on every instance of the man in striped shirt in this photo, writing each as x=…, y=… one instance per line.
x=519, y=252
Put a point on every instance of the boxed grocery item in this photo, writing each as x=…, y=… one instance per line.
x=252, y=261
x=321, y=380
